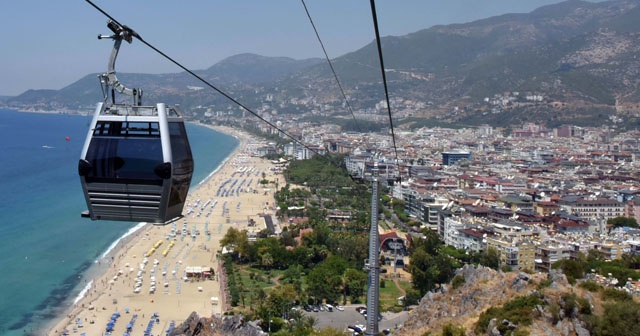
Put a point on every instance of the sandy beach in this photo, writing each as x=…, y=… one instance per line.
x=158, y=276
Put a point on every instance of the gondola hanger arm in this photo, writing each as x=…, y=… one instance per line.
x=120, y=33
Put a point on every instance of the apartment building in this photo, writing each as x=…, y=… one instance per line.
x=595, y=208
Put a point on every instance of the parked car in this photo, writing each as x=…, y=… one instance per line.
x=339, y=307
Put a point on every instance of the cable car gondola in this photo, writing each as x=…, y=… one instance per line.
x=136, y=163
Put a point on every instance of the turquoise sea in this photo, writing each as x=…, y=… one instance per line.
x=47, y=251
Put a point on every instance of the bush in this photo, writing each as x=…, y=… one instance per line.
x=589, y=285
x=585, y=306
x=544, y=283
x=395, y=309
x=616, y=295
x=412, y=297
x=554, y=310
x=570, y=304
x=619, y=318
x=453, y=330
x=572, y=269
x=457, y=281
x=517, y=311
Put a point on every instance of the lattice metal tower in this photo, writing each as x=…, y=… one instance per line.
x=374, y=259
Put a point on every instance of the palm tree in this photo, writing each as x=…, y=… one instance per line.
x=267, y=260
x=310, y=322
x=241, y=289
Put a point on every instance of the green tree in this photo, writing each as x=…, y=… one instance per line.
x=619, y=318
x=325, y=280
x=278, y=253
x=352, y=246
x=281, y=299
x=622, y=222
x=490, y=258
x=354, y=284
x=267, y=260
x=419, y=268
x=572, y=269
x=412, y=298
x=239, y=242
x=430, y=243
x=631, y=261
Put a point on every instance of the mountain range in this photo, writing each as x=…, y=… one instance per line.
x=574, y=62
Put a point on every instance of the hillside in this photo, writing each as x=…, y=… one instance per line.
x=578, y=56
x=518, y=304
x=572, y=62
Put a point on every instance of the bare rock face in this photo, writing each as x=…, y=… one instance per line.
x=213, y=326
x=558, y=278
x=483, y=288
x=520, y=282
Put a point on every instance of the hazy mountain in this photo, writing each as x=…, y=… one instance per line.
x=255, y=69
x=580, y=54
x=577, y=59
x=239, y=71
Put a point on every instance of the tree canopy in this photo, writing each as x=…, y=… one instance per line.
x=623, y=222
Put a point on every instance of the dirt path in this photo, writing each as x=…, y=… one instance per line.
x=404, y=292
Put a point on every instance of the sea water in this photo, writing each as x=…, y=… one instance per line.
x=46, y=248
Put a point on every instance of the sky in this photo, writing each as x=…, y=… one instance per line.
x=51, y=44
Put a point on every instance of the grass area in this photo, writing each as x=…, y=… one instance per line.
x=389, y=295
x=251, y=277
x=405, y=284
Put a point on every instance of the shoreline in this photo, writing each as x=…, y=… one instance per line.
x=110, y=283
x=97, y=270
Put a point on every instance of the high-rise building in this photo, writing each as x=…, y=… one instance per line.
x=449, y=158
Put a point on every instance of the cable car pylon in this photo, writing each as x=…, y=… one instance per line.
x=373, y=266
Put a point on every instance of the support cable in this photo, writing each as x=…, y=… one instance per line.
x=335, y=75
x=136, y=35
x=384, y=76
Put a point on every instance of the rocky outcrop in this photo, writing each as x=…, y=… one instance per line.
x=558, y=314
x=483, y=288
x=234, y=325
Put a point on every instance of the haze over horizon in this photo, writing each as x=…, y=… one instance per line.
x=49, y=45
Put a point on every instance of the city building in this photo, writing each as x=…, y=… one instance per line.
x=450, y=158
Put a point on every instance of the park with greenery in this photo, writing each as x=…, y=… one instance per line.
x=269, y=276
x=316, y=260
